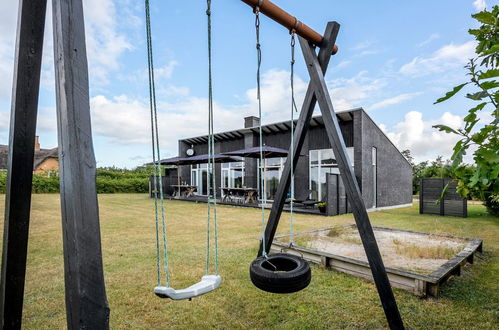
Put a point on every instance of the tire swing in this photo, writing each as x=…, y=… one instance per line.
x=209, y=282
x=280, y=272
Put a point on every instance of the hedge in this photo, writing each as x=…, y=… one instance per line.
x=109, y=180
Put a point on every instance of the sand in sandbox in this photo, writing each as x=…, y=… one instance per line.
x=418, y=253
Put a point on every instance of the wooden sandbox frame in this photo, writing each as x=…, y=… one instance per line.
x=419, y=285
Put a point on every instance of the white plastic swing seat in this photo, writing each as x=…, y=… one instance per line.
x=207, y=284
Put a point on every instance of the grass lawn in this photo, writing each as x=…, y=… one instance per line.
x=333, y=300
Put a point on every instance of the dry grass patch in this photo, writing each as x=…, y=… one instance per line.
x=439, y=251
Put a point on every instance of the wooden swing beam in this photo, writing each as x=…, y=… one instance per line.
x=290, y=22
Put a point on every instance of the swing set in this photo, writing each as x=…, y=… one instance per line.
x=86, y=302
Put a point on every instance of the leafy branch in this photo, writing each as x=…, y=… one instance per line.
x=483, y=181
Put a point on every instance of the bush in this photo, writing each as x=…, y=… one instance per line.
x=130, y=185
x=3, y=181
x=44, y=184
x=109, y=180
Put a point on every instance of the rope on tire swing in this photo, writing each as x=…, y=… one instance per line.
x=292, y=148
x=280, y=272
x=209, y=282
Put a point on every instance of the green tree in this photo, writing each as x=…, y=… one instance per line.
x=483, y=70
x=417, y=170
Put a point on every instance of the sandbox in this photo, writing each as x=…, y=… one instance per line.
x=416, y=262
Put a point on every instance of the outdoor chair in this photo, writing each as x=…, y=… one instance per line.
x=303, y=199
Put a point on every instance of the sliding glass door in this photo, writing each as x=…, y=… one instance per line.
x=322, y=161
x=271, y=171
x=199, y=178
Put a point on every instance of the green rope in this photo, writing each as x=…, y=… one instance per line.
x=293, y=109
x=212, y=194
x=258, y=95
x=156, y=155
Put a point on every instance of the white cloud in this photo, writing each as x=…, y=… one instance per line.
x=341, y=65
x=424, y=142
x=172, y=90
x=165, y=72
x=4, y=120
x=348, y=93
x=445, y=58
x=161, y=74
x=8, y=19
x=132, y=125
x=432, y=37
x=479, y=5
x=363, y=45
x=105, y=43
x=392, y=100
x=368, y=52
x=187, y=116
x=276, y=96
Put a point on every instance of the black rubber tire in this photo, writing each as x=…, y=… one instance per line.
x=294, y=274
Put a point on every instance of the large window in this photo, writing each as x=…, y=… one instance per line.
x=322, y=161
x=271, y=171
x=233, y=175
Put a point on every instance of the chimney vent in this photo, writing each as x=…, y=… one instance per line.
x=251, y=121
x=37, y=143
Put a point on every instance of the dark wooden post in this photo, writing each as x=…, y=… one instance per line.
x=351, y=186
x=27, y=67
x=421, y=183
x=86, y=302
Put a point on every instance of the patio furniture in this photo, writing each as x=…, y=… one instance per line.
x=184, y=190
x=239, y=195
x=303, y=200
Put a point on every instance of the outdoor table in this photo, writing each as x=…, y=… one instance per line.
x=184, y=190
x=248, y=194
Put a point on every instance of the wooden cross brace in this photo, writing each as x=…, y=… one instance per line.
x=317, y=92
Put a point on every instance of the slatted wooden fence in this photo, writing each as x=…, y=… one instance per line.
x=452, y=204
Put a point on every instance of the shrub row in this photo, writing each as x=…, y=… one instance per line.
x=109, y=182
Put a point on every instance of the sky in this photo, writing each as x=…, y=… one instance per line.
x=395, y=60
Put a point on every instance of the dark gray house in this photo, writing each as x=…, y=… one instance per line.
x=383, y=173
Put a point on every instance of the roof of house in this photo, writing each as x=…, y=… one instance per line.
x=40, y=156
x=43, y=154
x=283, y=126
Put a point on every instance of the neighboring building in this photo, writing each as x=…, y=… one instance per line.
x=383, y=173
x=46, y=160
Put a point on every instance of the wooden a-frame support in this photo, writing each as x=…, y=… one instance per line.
x=317, y=92
x=86, y=302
